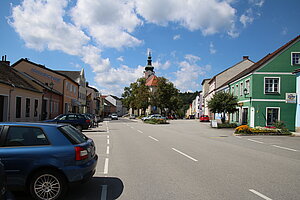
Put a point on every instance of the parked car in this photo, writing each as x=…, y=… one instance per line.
x=132, y=117
x=79, y=121
x=204, y=118
x=45, y=158
x=154, y=116
x=114, y=117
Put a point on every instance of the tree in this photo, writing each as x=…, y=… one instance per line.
x=222, y=102
x=166, y=96
x=137, y=95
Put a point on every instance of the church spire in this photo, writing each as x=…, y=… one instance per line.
x=149, y=58
x=149, y=66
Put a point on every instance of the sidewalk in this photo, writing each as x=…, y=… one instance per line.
x=295, y=134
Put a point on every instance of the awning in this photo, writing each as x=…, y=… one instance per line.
x=75, y=102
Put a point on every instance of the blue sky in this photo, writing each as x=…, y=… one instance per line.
x=190, y=40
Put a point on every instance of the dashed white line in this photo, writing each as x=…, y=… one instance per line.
x=107, y=136
x=107, y=150
x=131, y=127
x=153, y=138
x=238, y=137
x=106, y=166
x=104, y=192
x=140, y=131
x=255, y=141
x=260, y=194
x=185, y=155
x=284, y=148
x=107, y=141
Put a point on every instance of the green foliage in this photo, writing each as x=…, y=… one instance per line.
x=222, y=102
x=227, y=125
x=156, y=121
x=281, y=125
x=137, y=95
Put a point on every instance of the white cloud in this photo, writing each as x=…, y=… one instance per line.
x=188, y=76
x=192, y=58
x=41, y=25
x=116, y=79
x=258, y=3
x=247, y=17
x=284, y=31
x=176, y=37
x=209, y=16
x=108, y=22
x=121, y=59
x=164, y=66
x=212, y=49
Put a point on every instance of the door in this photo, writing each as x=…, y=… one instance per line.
x=44, y=109
x=245, y=116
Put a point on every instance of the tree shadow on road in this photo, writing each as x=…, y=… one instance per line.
x=108, y=188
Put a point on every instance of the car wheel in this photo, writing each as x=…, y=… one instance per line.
x=79, y=127
x=48, y=184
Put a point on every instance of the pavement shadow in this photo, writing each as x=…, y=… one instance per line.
x=103, y=188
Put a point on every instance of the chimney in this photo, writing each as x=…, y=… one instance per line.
x=4, y=61
x=245, y=57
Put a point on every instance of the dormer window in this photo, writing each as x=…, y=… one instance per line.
x=296, y=58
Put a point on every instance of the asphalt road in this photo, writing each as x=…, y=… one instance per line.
x=186, y=160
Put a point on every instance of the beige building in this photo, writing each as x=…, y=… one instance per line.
x=219, y=79
x=59, y=82
x=20, y=100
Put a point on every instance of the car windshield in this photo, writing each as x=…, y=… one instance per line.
x=75, y=136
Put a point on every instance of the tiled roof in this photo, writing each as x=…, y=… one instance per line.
x=12, y=77
x=74, y=75
x=152, y=81
x=261, y=62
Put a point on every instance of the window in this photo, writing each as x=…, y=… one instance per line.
x=36, y=105
x=241, y=89
x=247, y=85
x=295, y=58
x=72, y=117
x=272, y=115
x=271, y=85
x=18, y=107
x=27, y=106
x=25, y=136
x=74, y=136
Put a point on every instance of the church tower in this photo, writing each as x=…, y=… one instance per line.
x=149, y=69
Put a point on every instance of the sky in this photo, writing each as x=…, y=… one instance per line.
x=190, y=40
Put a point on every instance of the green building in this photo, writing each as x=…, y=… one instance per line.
x=266, y=91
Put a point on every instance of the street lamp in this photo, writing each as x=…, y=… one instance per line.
x=51, y=87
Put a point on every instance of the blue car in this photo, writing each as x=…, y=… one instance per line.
x=45, y=158
x=79, y=121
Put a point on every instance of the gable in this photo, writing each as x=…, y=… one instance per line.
x=282, y=62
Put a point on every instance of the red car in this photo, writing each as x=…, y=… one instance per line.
x=204, y=118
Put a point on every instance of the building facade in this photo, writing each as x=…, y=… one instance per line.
x=20, y=100
x=266, y=91
x=59, y=82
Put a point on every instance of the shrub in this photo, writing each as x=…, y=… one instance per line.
x=156, y=121
x=227, y=125
x=281, y=125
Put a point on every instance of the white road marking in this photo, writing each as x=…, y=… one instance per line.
x=238, y=137
x=255, y=141
x=107, y=141
x=131, y=127
x=153, y=138
x=107, y=137
x=103, y=192
x=284, y=148
x=107, y=150
x=185, y=155
x=140, y=131
x=106, y=166
x=259, y=194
